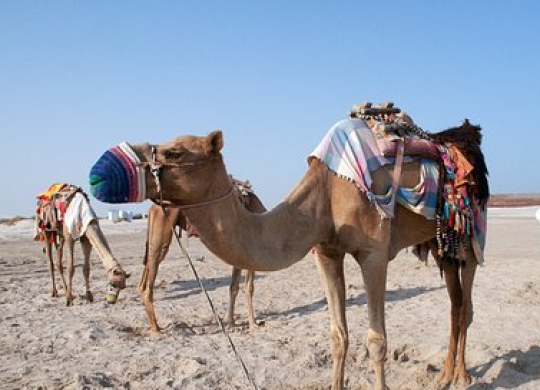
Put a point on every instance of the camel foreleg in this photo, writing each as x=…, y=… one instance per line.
x=330, y=265
x=234, y=288
x=144, y=275
x=50, y=264
x=374, y=271
x=158, y=246
x=87, y=249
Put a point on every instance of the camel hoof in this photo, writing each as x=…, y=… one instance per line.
x=54, y=294
x=462, y=377
x=445, y=378
x=256, y=325
x=89, y=297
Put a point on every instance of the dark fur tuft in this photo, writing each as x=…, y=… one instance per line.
x=468, y=139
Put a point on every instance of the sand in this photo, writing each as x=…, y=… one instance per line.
x=46, y=345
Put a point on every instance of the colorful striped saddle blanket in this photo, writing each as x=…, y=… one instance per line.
x=63, y=203
x=353, y=150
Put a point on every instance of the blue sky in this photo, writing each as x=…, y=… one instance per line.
x=79, y=77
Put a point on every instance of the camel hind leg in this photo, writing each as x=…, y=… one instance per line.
x=60, y=265
x=159, y=239
x=330, y=266
x=50, y=263
x=249, y=290
x=460, y=292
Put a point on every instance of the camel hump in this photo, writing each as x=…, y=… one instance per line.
x=465, y=134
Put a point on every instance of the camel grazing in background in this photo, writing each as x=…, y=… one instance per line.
x=159, y=236
x=63, y=216
x=324, y=211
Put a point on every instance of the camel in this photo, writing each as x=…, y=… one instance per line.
x=324, y=211
x=159, y=238
x=56, y=227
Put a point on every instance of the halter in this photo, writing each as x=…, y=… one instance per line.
x=157, y=166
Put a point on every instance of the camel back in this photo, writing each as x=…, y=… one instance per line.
x=463, y=184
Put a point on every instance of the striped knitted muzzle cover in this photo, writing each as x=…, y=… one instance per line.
x=118, y=177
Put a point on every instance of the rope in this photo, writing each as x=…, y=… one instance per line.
x=216, y=315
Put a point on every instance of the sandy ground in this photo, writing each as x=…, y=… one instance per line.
x=46, y=345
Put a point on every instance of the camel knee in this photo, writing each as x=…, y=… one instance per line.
x=234, y=289
x=148, y=296
x=249, y=289
x=467, y=313
x=376, y=343
x=340, y=343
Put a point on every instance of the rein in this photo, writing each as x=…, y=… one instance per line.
x=155, y=169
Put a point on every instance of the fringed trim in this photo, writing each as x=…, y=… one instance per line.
x=369, y=195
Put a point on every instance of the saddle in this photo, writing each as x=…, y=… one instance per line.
x=463, y=180
x=388, y=124
x=51, y=208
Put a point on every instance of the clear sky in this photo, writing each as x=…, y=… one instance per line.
x=79, y=77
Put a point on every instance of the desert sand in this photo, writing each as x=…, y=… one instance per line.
x=46, y=345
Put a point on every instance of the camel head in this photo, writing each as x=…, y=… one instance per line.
x=190, y=170
x=117, y=277
x=117, y=282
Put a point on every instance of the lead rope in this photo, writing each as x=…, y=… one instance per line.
x=216, y=315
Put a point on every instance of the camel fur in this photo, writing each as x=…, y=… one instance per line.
x=161, y=222
x=58, y=235
x=322, y=211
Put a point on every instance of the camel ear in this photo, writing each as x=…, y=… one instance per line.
x=214, y=142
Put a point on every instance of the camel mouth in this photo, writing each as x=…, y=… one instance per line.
x=113, y=292
x=118, y=177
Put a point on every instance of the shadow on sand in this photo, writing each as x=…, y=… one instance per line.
x=518, y=368
x=391, y=296
x=186, y=288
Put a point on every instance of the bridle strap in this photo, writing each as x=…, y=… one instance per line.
x=165, y=203
x=155, y=169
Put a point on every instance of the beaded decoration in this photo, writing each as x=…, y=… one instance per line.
x=454, y=215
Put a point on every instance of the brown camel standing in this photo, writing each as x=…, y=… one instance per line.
x=159, y=237
x=323, y=211
x=56, y=227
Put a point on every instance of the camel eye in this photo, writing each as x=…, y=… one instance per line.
x=175, y=154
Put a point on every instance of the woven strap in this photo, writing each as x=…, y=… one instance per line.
x=397, y=175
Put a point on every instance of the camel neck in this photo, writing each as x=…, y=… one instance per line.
x=99, y=243
x=262, y=242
